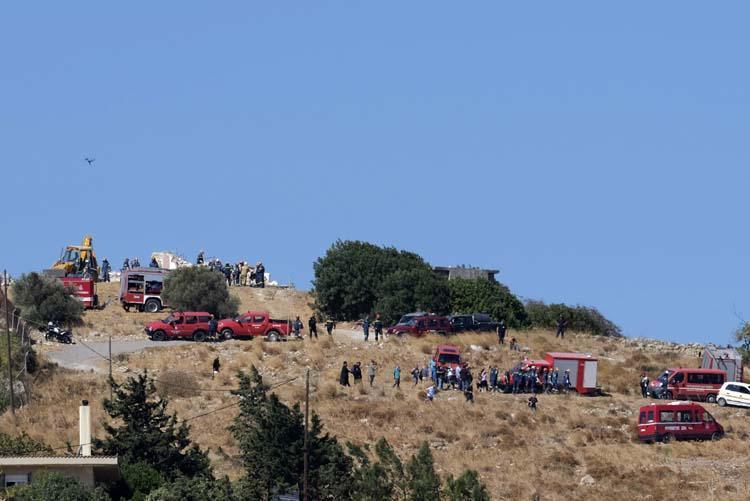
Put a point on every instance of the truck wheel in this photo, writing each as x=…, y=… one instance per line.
x=152, y=305
x=721, y=402
x=199, y=336
x=273, y=336
x=711, y=399
x=126, y=307
x=667, y=395
x=667, y=438
x=716, y=435
x=158, y=336
x=227, y=334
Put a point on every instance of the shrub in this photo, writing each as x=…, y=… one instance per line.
x=21, y=445
x=482, y=296
x=356, y=278
x=58, y=486
x=42, y=299
x=199, y=289
x=580, y=318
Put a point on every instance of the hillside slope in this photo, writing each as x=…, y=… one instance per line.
x=573, y=447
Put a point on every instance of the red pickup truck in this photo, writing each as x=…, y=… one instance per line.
x=253, y=324
x=180, y=325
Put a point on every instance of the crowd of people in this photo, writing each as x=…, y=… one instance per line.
x=240, y=274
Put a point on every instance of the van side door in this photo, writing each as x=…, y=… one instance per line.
x=677, y=385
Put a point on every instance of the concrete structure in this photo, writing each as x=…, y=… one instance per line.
x=87, y=469
x=725, y=359
x=451, y=272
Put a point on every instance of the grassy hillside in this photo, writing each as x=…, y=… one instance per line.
x=572, y=447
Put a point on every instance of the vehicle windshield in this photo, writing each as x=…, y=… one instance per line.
x=169, y=319
x=449, y=358
x=407, y=321
x=664, y=377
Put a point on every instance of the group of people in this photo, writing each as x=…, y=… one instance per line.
x=312, y=324
x=356, y=372
x=240, y=274
x=377, y=326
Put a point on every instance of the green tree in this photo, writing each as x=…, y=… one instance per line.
x=42, y=299
x=195, y=489
x=198, y=288
x=21, y=445
x=353, y=277
x=412, y=290
x=138, y=479
x=423, y=482
x=382, y=479
x=270, y=436
x=742, y=335
x=580, y=318
x=59, y=487
x=467, y=487
x=482, y=296
x=147, y=434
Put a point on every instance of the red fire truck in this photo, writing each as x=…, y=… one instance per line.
x=83, y=289
x=141, y=288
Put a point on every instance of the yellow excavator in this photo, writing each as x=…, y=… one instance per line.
x=77, y=260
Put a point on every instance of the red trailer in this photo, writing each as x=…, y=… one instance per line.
x=83, y=289
x=582, y=367
x=141, y=288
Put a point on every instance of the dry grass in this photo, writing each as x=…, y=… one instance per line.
x=518, y=454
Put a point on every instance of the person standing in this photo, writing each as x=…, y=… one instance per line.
x=200, y=259
x=212, y=325
x=378, y=326
x=431, y=392
x=371, y=371
x=562, y=324
x=357, y=373
x=397, y=377
x=501, y=330
x=260, y=275
x=469, y=393
x=297, y=327
x=493, y=378
x=105, y=270
x=415, y=375
x=126, y=264
x=313, y=325
x=244, y=271
x=344, y=376
x=330, y=325
x=153, y=263
x=566, y=380
x=366, y=327
x=215, y=366
x=644, y=385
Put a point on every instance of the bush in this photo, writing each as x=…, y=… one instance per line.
x=356, y=278
x=42, y=299
x=21, y=445
x=57, y=486
x=199, y=289
x=580, y=318
x=482, y=296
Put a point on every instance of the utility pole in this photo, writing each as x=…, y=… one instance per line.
x=7, y=336
x=307, y=451
x=111, y=382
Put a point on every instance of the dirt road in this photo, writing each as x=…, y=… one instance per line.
x=93, y=355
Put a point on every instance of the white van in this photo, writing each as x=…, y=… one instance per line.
x=734, y=394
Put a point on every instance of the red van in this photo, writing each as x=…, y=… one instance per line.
x=688, y=384
x=421, y=325
x=180, y=325
x=677, y=421
x=447, y=355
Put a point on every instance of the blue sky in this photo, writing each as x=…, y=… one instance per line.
x=595, y=153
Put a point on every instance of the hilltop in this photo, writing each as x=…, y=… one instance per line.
x=573, y=447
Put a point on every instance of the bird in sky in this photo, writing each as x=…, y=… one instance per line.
x=90, y=160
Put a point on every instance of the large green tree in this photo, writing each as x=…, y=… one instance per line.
x=145, y=433
x=423, y=480
x=484, y=296
x=355, y=278
x=42, y=299
x=198, y=288
x=270, y=436
x=467, y=487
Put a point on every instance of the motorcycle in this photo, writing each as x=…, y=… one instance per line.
x=55, y=333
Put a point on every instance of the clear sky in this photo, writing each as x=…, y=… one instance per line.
x=595, y=153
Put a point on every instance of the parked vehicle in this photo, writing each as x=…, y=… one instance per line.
x=55, y=333
x=480, y=322
x=684, y=383
x=677, y=421
x=421, y=325
x=141, y=288
x=583, y=370
x=253, y=324
x=726, y=359
x=734, y=394
x=447, y=355
x=180, y=325
x=83, y=289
